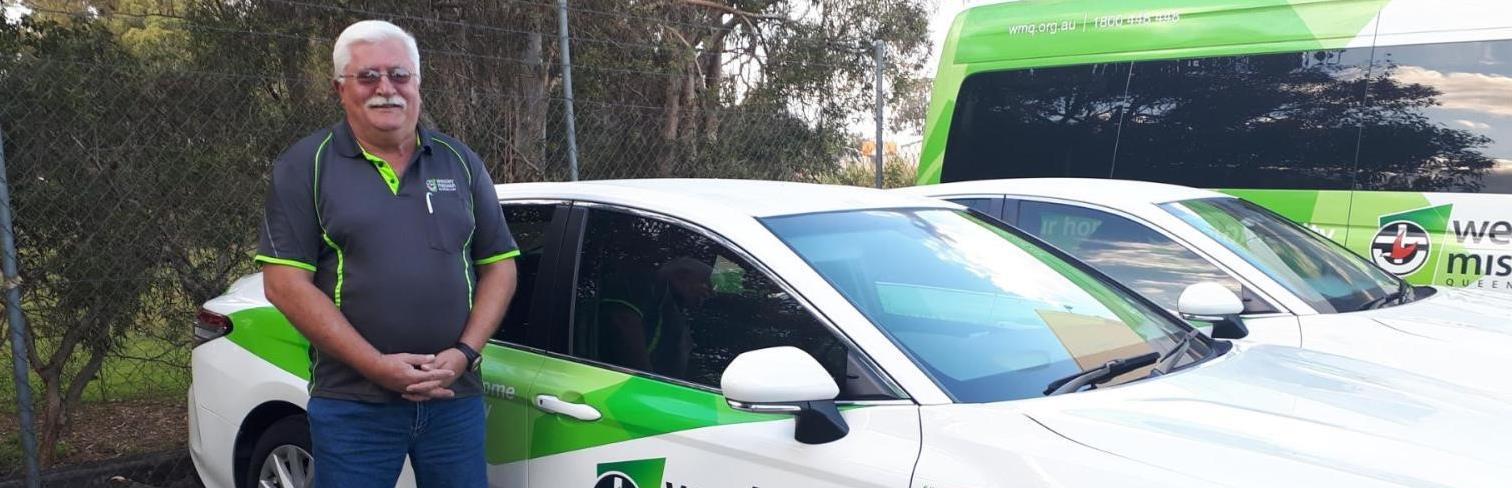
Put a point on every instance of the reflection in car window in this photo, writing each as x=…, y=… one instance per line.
x=1037, y=122
x=1457, y=136
x=1328, y=277
x=656, y=297
x=1135, y=255
x=987, y=314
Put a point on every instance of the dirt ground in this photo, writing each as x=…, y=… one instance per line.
x=103, y=431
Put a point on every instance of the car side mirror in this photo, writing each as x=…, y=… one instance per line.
x=1213, y=303
x=789, y=381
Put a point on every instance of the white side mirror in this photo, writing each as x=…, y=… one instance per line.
x=777, y=375
x=1211, y=302
x=1209, y=299
x=789, y=381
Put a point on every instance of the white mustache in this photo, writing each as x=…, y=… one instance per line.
x=379, y=100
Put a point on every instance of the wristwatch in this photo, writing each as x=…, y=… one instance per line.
x=474, y=360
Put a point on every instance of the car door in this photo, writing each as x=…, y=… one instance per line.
x=514, y=354
x=1148, y=261
x=659, y=308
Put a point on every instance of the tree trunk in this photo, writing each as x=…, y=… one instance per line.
x=671, y=120
x=529, y=132
x=51, y=427
x=711, y=63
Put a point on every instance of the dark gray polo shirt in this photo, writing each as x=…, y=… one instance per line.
x=395, y=253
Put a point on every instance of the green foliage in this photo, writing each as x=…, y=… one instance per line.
x=896, y=173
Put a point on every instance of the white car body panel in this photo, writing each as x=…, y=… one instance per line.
x=879, y=452
x=1261, y=416
x=228, y=383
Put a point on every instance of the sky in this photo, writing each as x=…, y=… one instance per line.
x=939, y=25
x=946, y=11
x=11, y=11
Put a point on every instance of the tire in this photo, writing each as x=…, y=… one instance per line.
x=285, y=443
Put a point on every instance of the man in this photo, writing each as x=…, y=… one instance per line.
x=384, y=244
x=644, y=325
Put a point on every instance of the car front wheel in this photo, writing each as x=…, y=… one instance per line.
x=281, y=458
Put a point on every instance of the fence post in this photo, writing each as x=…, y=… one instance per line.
x=562, y=35
x=18, y=340
x=879, y=57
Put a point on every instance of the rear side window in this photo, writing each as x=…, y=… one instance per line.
x=983, y=205
x=1037, y=122
x=1457, y=136
x=529, y=224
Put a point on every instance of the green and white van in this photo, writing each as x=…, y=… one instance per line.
x=1385, y=125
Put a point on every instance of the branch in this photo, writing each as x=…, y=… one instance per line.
x=732, y=10
x=81, y=380
x=156, y=359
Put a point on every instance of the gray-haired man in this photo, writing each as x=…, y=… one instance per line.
x=384, y=244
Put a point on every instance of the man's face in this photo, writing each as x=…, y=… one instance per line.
x=692, y=288
x=380, y=104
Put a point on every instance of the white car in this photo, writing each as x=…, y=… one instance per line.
x=845, y=337
x=1298, y=288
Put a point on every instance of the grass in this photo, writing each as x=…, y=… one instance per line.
x=11, y=452
x=143, y=368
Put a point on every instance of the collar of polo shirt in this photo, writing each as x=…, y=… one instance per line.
x=383, y=167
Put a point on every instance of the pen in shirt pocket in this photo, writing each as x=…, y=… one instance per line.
x=428, y=207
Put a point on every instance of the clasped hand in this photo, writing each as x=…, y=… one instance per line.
x=420, y=377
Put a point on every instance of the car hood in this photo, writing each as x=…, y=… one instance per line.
x=1456, y=335
x=1275, y=416
x=1451, y=314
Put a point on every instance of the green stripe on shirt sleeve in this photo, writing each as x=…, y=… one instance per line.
x=285, y=262
x=499, y=257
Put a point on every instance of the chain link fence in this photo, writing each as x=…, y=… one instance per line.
x=138, y=137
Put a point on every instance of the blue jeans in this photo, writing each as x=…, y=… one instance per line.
x=362, y=445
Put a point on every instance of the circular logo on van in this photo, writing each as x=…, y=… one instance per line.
x=1400, y=247
x=614, y=480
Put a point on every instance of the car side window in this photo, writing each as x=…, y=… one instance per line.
x=528, y=223
x=657, y=297
x=1140, y=258
x=983, y=205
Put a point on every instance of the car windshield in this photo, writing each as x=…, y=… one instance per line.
x=988, y=314
x=1319, y=271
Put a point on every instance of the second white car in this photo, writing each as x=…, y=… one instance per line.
x=1290, y=286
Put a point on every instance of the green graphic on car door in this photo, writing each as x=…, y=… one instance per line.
x=1405, y=243
x=633, y=407
x=644, y=473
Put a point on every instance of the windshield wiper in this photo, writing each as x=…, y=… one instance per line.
x=1168, y=361
x=1399, y=296
x=1112, y=369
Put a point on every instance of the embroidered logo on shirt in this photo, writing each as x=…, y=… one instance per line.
x=441, y=185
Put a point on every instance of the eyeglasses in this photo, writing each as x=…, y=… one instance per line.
x=371, y=76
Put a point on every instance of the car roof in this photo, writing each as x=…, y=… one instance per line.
x=753, y=198
x=1107, y=192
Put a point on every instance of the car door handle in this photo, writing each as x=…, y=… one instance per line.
x=578, y=411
